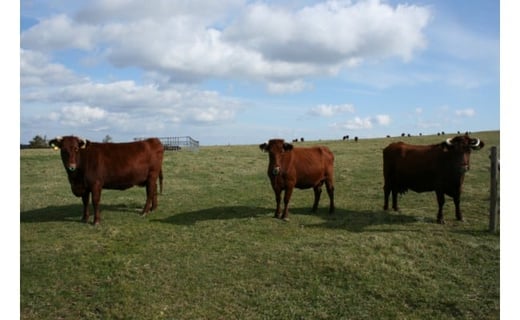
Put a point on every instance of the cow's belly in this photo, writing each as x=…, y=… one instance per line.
x=421, y=188
x=118, y=186
x=308, y=183
x=304, y=185
x=125, y=182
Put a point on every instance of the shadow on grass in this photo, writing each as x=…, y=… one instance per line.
x=359, y=221
x=216, y=213
x=72, y=212
x=354, y=221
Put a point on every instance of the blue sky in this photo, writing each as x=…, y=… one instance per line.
x=241, y=72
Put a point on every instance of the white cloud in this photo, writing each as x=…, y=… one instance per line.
x=287, y=87
x=78, y=115
x=36, y=69
x=194, y=40
x=358, y=123
x=331, y=32
x=469, y=112
x=382, y=119
x=48, y=101
x=325, y=110
x=59, y=32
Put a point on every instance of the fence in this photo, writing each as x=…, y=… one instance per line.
x=177, y=143
x=493, y=198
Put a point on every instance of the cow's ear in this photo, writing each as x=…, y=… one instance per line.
x=56, y=143
x=263, y=147
x=445, y=146
x=287, y=146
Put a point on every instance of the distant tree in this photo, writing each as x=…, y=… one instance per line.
x=107, y=138
x=38, y=142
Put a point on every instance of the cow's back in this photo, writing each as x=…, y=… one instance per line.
x=413, y=167
x=311, y=165
x=122, y=165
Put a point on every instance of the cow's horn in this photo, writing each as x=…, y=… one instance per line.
x=448, y=141
x=477, y=142
x=84, y=145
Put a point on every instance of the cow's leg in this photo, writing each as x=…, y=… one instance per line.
x=96, y=198
x=458, y=213
x=394, y=200
x=278, y=196
x=154, y=193
x=387, y=191
x=330, y=191
x=154, y=198
x=317, y=195
x=149, y=197
x=286, y=198
x=85, y=199
x=440, y=202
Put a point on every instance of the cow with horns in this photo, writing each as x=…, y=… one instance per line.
x=301, y=168
x=440, y=167
x=92, y=167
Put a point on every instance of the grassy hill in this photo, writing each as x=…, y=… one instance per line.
x=213, y=251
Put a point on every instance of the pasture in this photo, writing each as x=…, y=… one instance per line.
x=213, y=250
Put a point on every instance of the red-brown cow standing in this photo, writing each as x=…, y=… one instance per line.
x=92, y=167
x=302, y=168
x=439, y=167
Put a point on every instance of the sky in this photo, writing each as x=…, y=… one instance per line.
x=242, y=72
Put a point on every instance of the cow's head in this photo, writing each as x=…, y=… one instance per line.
x=458, y=150
x=275, y=147
x=70, y=147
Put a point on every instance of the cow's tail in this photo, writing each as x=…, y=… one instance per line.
x=160, y=180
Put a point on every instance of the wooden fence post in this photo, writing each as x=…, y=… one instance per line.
x=493, y=197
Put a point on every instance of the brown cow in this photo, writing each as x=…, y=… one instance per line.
x=94, y=166
x=302, y=168
x=439, y=167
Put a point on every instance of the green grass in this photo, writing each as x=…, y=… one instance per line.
x=213, y=251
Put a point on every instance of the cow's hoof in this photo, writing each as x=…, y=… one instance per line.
x=440, y=221
x=285, y=219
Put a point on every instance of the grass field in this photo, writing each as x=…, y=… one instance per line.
x=213, y=250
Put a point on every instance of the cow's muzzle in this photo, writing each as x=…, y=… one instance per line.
x=276, y=171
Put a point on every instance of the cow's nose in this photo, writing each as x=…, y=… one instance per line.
x=276, y=171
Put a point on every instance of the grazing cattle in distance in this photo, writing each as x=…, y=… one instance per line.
x=92, y=167
x=356, y=139
x=421, y=168
x=301, y=168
